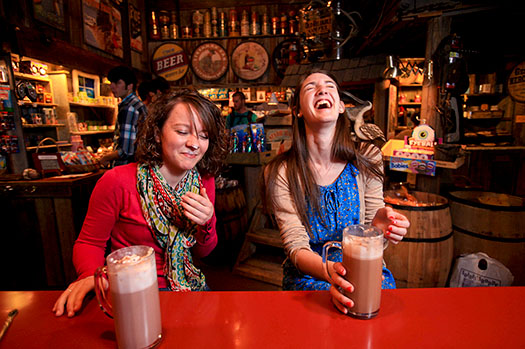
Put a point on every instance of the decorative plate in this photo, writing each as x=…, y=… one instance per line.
x=285, y=54
x=209, y=61
x=31, y=92
x=249, y=60
x=20, y=90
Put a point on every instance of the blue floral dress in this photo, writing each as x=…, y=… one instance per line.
x=339, y=204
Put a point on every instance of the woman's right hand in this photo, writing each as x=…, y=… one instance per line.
x=341, y=302
x=71, y=299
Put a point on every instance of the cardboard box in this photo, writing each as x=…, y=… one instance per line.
x=271, y=120
x=278, y=134
x=250, y=158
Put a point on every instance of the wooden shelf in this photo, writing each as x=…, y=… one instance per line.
x=42, y=125
x=30, y=77
x=411, y=85
x=37, y=104
x=86, y=133
x=409, y=103
x=227, y=37
x=75, y=104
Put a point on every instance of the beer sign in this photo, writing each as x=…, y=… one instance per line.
x=170, y=61
x=516, y=83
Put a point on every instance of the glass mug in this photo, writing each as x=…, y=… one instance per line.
x=134, y=293
x=362, y=247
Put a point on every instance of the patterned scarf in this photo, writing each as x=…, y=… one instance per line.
x=161, y=205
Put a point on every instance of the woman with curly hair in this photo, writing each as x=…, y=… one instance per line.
x=164, y=200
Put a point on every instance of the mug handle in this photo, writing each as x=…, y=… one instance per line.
x=101, y=279
x=326, y=247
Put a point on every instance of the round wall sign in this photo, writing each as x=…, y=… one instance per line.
x=170, y=62
x=516, y=83
x=285, y=54
x=209, y=61
x=249, y=60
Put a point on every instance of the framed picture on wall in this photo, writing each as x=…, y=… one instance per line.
x=50, y=12
x=85, y=85
x=102, y=26
x=135, y=29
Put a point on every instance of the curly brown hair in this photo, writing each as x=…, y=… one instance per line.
x=149, y=150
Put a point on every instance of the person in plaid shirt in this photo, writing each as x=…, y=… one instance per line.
x=131, y=112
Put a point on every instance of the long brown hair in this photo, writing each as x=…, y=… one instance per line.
x=300, y=177
x=150, y=151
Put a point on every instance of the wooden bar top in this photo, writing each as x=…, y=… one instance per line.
x=485, y=317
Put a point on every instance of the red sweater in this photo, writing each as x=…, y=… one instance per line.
x=115, y=212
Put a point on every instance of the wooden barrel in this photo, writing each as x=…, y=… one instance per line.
x=482, y=224
x=230, y=209
x=424, y=257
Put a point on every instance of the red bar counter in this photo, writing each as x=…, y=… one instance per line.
x=488, y=317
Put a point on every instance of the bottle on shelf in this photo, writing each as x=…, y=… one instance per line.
x=197, y=20
x=275, y=25
x=154, y=27
x=207, y=25
x=292, y=23
x=174, y=29
x=245, y=24
x=214, y=29
x=284, y=24
x=223, y=26
x=164, y=20
x=265, y=26
x=233, y=27
x=255, y=27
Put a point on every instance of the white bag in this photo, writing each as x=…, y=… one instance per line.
x=479, y=270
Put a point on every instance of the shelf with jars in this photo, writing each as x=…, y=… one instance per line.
x=483, y=119
x=409, y=91
x=36, y=99
x=223, y=23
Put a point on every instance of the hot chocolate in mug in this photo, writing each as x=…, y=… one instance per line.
x=362, y=247
x=134, y=294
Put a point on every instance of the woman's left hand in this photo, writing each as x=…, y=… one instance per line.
x=198, y=208
x=392, y=223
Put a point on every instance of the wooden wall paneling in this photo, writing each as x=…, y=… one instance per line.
x=45, y=211
x=22, y=255
x=438, y=28
x=66, y=234
x=229, y=79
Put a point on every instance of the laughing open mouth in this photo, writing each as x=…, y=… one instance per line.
x=323, y=104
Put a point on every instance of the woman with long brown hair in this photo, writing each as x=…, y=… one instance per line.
x=323, y=183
